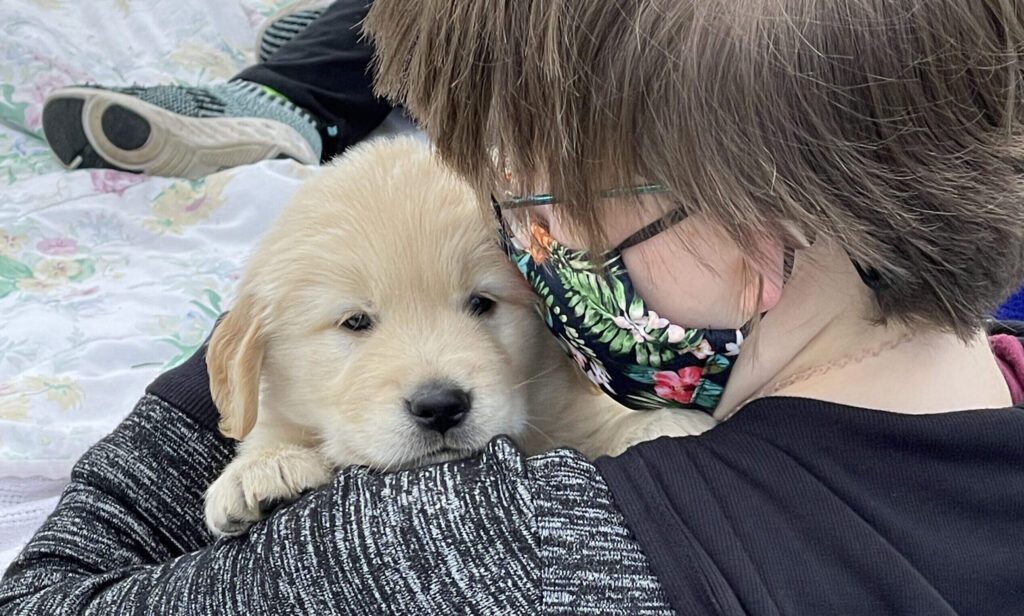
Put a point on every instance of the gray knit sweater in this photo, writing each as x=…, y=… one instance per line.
x=496, y=534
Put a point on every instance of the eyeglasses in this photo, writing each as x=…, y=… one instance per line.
x=647, y=232
x=868, y=275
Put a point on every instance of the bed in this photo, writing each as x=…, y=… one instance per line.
x=107, y=278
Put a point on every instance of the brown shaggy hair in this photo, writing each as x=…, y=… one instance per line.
x=893, y=127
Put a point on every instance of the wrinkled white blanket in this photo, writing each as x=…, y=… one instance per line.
x=106, y=278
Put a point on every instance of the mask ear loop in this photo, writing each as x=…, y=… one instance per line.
x=788, y=257
x=789, y=253
x=798, y=240
x=868, y=275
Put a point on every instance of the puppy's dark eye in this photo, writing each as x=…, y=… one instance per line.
x=357, y=322
x=479, y=305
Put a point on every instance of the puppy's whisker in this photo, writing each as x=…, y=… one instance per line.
x=393, y=461
x=534, y=378
x=534, y=427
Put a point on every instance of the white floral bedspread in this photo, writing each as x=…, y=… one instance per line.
x=106, y=278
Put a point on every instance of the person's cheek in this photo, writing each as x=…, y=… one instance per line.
x=542, y=214
x=690, y=289
x=557, y=230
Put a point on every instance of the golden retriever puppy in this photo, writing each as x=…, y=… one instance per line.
x=379, y=323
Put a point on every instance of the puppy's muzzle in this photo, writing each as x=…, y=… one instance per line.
x=439, y=405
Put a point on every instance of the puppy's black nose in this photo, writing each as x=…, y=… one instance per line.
x=439, y=406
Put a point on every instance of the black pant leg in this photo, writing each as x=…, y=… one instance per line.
x=325, y=70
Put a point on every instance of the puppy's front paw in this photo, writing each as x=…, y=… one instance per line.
x=257, y=482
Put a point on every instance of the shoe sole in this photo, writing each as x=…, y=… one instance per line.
x=93, y=128
x=300, y=5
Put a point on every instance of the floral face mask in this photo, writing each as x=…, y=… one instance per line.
x=633, y=354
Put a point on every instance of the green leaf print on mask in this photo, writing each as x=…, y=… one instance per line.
x=598, y=298
x=641, y=374
x=544, y=292
x=707, y=394
x=717, y=364
x=647, y=401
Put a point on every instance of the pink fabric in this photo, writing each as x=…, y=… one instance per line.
x=1010, y=355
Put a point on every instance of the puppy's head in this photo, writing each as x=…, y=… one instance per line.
x=381, y=317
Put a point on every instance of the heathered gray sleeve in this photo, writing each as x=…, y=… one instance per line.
x=496, y=534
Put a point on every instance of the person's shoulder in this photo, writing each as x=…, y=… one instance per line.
x=591, y=557
x=500, y=467
x=564, y=473
x=558, y=484
x=503, y=458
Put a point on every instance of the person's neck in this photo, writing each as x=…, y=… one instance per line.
x=818, y=342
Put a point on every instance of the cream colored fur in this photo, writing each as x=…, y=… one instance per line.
x=388, y=231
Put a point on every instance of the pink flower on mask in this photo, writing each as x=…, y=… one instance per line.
x=58, y=246
x=679, y=385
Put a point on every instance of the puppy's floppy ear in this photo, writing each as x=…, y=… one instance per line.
x=234, y=359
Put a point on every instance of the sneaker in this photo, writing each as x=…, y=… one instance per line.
x=286, y=24
x=177, y=131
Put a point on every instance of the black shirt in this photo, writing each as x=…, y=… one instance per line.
x=797, y=506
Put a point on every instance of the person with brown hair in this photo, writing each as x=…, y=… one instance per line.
x=792, y=214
